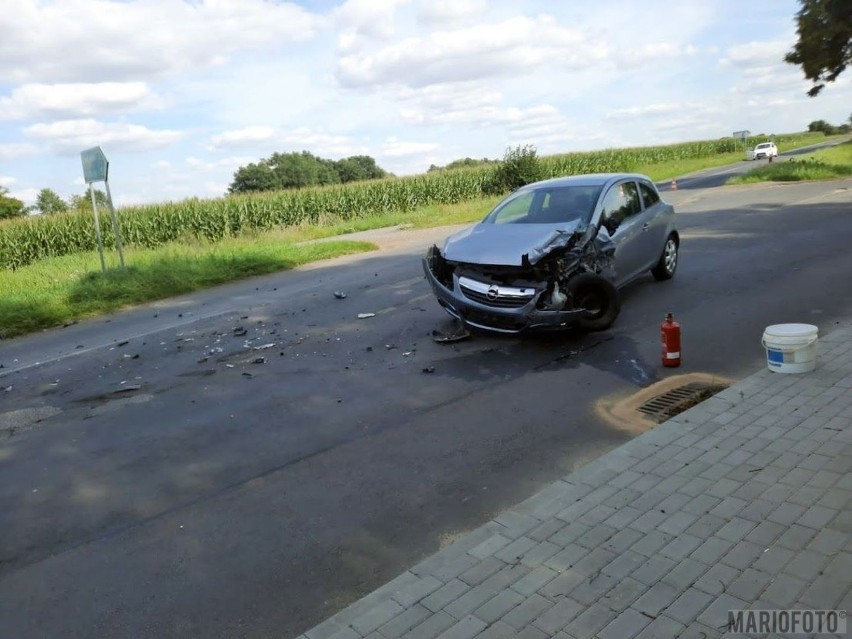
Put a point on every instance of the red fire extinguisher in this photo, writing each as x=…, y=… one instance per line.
x=670, y=333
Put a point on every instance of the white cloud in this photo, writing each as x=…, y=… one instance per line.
x=69, y=137
x=230, y=163
x=245, y=137
x=489, y=50
x=644, y=110
x=7, y=181
x=756, y=54
x=17, y=150
x=38, y=101
x=443, y=11
x=397, y=148
x=438, y=103
x=86, y=40
x=263, y=139
x=161, y=165
x=363, y=21
x=27, y=196
x=633, y=58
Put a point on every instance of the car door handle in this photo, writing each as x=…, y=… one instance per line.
x=645, y=226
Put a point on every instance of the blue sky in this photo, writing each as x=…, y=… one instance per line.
x=180, y=94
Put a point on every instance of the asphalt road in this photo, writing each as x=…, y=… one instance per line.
x=170, y=487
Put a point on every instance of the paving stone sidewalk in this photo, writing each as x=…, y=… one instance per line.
x=744, y=501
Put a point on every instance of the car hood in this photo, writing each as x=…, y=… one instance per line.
x=503, y=244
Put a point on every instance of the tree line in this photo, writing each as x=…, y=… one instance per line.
x=299, y=170
x=829, y=129
x=48, y=202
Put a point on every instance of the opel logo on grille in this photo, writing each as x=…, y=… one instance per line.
x=493, y=292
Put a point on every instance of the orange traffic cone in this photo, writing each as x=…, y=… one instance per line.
x=674, y=184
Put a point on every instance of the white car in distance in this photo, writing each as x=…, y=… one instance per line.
x=764, y=150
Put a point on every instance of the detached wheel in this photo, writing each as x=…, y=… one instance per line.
x=666, y=267
x=598, y=298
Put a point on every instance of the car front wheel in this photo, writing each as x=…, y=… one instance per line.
x=665, y=268
x=597, y=298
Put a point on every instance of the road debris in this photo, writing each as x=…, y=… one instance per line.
x=459, y=334
x=263, y=347
x=129, y=388
x=259, y=360
x=239, y=331
x=340, y=295
x=428, y=370
x=365, y=315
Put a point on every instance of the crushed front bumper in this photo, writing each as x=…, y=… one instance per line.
x=488, y=316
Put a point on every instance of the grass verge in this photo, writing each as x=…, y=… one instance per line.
x=59, y=290
x=825, y=164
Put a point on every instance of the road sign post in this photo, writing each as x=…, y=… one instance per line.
x=743, y=135
x=115, y=228
x=97, y=228
x=96, y=169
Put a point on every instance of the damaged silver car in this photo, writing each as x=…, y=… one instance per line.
x=553, y=254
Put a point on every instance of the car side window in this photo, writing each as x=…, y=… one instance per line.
x=620, y=202
x=649, y=195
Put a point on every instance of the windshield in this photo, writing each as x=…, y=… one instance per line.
x=547, y=205
x=765, y=145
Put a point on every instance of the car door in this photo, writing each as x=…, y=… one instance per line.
x=620, y=211
x=654, y=224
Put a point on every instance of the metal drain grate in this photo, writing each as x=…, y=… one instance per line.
x=677, y=400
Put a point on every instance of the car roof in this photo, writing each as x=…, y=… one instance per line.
x=590, y=179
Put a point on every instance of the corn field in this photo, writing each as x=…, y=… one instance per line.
x=24, y=241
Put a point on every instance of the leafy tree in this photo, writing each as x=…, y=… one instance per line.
x=84, y=202
x=298, y=170
x=520, y=166
x=821, y=126
x=369, y=169
x=49, y=202
x=358, y=167
x=9, y=206
x=350, y=171
x=254, y=177
x=824, y=47
x=462, y=163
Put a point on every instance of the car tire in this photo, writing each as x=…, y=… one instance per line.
x=667, y=264
x=599, y=297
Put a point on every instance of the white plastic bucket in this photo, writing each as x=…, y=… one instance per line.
x=790, y=348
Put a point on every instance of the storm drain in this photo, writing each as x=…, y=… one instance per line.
x=677, y=400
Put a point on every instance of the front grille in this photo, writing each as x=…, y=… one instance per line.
x=498, y=302
x=495, y=295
